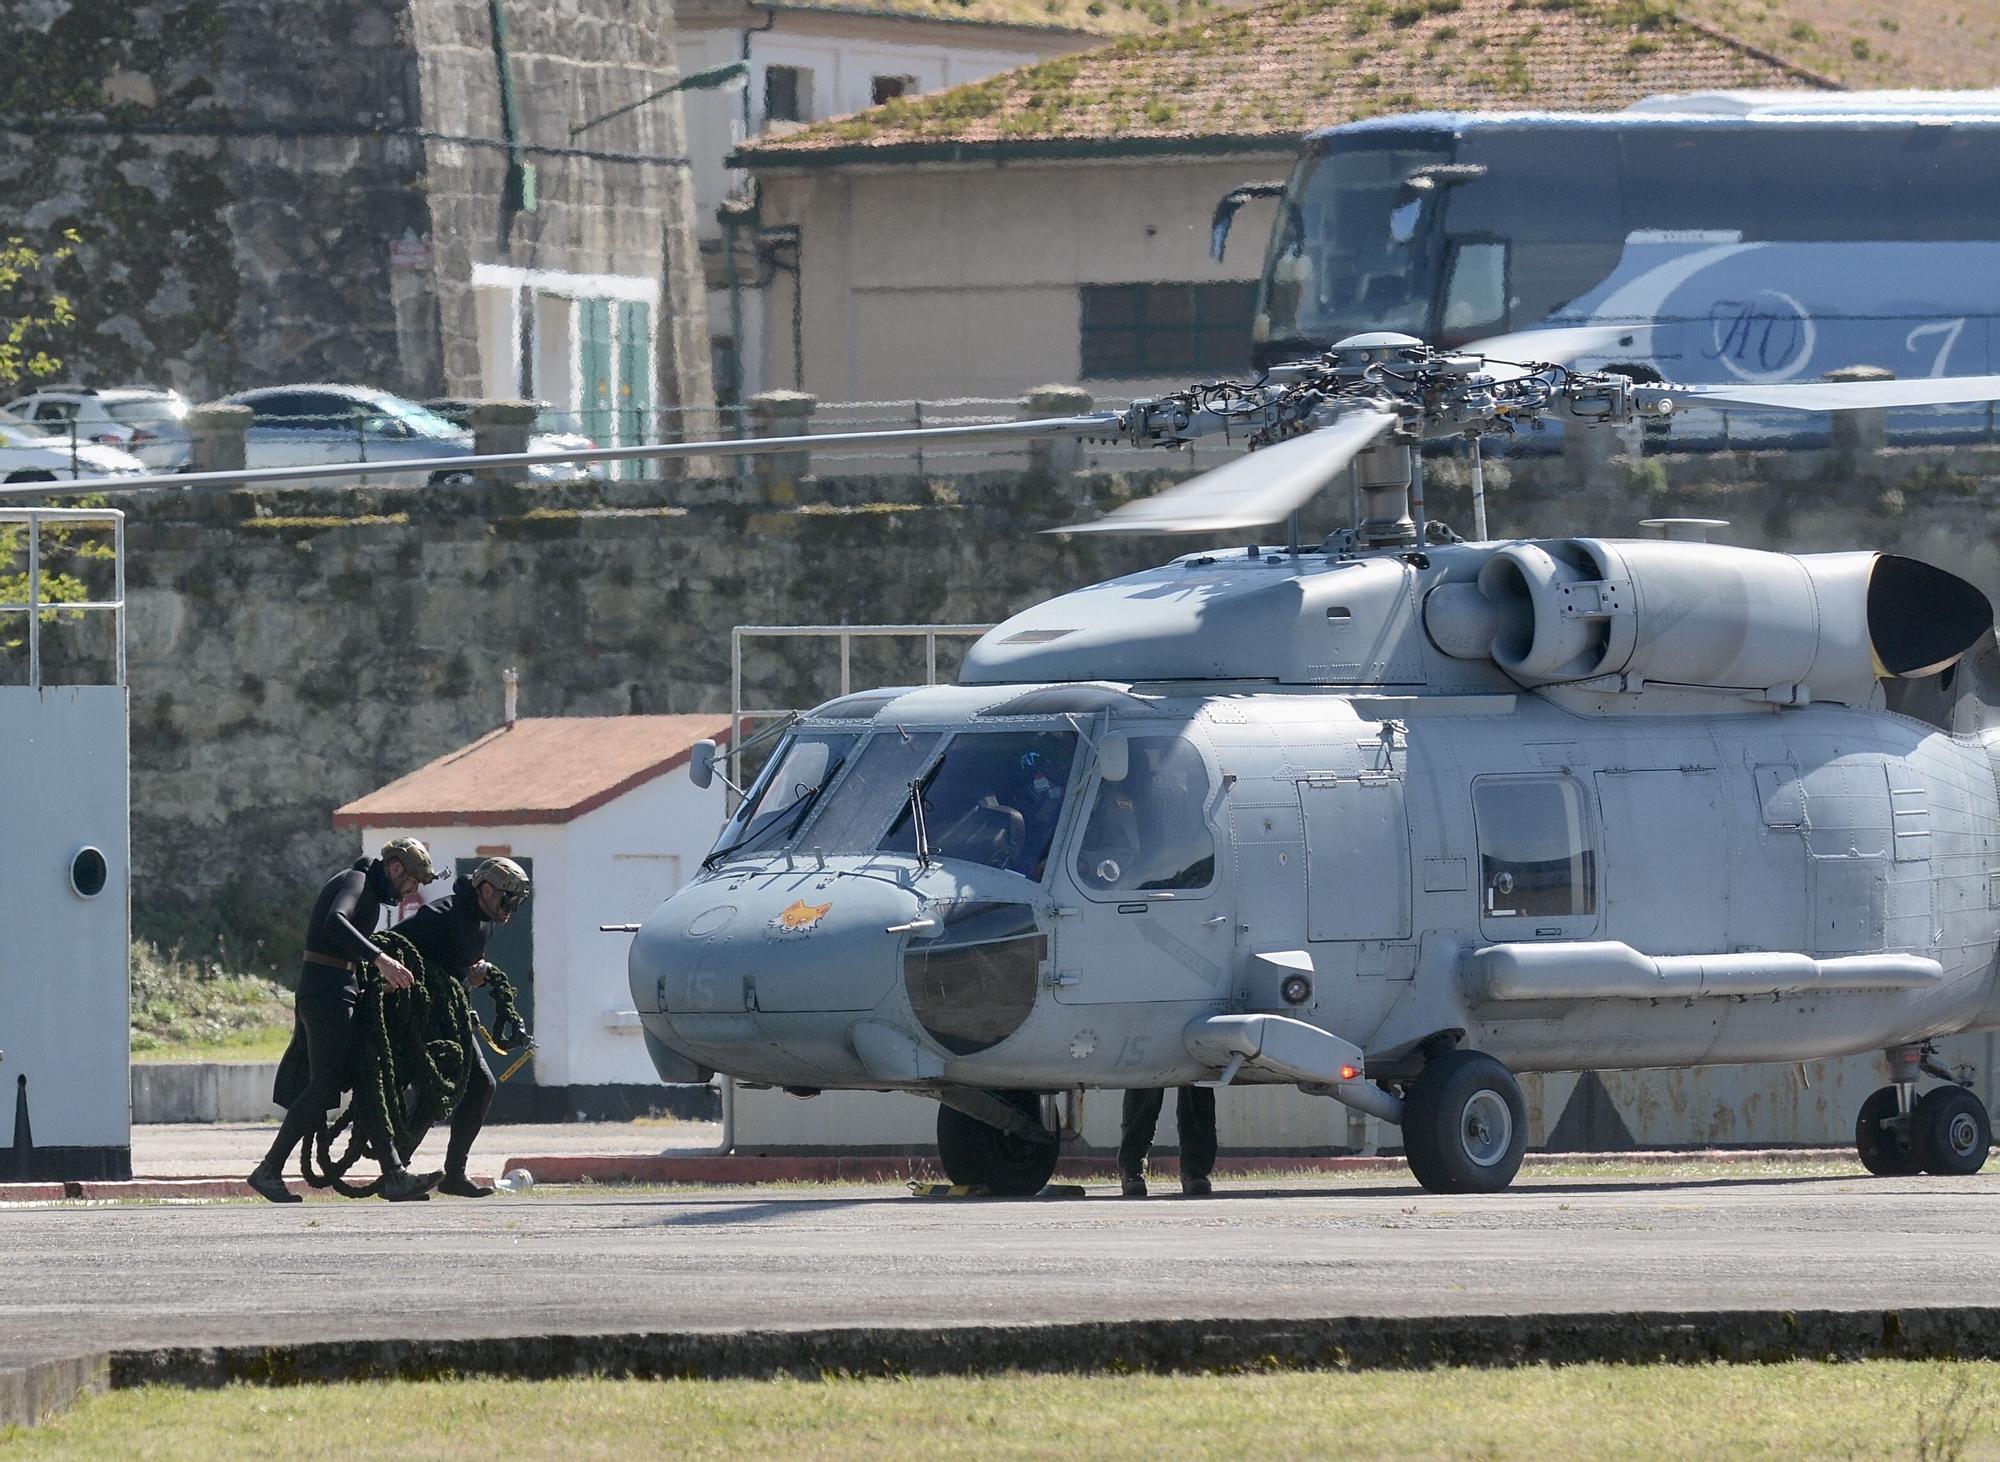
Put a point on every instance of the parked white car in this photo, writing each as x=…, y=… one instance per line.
x=293, y=426
x=30, y=452
x=148, y=422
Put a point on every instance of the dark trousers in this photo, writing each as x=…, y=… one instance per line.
x=324, y=1015
x=466, y=1118
x=1194, y=1111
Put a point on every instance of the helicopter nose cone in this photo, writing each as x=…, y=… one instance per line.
x=771, y=944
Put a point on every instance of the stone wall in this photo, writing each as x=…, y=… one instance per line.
x=271, y=194
x=292, y=650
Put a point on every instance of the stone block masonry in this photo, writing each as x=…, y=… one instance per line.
x=291, y=650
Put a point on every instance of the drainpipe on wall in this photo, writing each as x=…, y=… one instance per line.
x=510, y=686
x=519, y=196
x=729, y=220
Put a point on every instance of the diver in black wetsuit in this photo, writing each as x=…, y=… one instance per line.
x=451, y=934
x=314, y=1070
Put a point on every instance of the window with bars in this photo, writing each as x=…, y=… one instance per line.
x=1165, y=329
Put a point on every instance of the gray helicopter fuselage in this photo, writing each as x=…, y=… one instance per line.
x=1595, y=815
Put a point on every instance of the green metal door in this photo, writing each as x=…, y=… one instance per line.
x=512, y=947
x=594, y=364
x=635, y=401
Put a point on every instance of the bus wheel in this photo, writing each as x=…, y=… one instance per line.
x=1465, y=1124
x=976, y=1155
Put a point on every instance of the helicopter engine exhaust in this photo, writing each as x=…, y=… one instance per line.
x=1787, y=628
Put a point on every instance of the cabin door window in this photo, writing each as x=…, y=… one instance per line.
x=1537, y=857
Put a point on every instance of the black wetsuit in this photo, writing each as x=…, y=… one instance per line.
x=451, y=934
x=313, y=1073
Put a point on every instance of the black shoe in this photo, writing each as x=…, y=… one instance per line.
x=458, y=1185
x=1196, y=1187
x=408, y=1187
x=1132, y=1185
x=267, y=1182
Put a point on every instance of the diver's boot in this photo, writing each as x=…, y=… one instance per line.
x=268, y=1183
x=458, y=1185
x=404, y=1186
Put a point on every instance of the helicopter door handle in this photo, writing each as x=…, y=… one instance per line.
x=1218, y=919
x=1064, y=979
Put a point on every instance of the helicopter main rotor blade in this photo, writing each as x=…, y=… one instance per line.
x=1514, y=355
x=1828, y=395
x=1260, y=488
x=1098, y=424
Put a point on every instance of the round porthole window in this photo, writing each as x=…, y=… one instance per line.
x=88, y=872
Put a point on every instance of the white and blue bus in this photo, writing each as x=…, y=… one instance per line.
x=1762, y=236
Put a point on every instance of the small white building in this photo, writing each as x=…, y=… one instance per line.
x=586, y=804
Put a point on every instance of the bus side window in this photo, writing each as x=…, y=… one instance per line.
x=1475, y=288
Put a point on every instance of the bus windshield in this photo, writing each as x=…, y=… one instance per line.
x=1341, y=260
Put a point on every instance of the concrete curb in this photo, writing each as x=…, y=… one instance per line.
x=1345, y=1342
x=32, y=1394
x=744, y=1169
x=142, y=1188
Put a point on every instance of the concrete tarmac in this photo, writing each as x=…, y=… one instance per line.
x=76, y=1278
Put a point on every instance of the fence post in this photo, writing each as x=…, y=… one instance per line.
x=500, y=428
x=215, y=437
x=1859, y=436
x=1055, y=456
x=782, y=414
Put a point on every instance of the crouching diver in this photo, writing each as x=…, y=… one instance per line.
x=451, y=933
x=314, y=1070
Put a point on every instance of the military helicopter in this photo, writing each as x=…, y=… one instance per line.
x=1390, y=818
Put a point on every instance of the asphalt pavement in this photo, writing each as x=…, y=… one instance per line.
x=79, y=1277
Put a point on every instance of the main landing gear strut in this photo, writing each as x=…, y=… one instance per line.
x=1944, y=1131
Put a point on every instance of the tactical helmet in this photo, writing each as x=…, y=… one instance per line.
x=509, y=880
x=413, y=855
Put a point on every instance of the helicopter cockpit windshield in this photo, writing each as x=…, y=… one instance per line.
x=989, y=797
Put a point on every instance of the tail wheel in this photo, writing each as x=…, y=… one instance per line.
x=975, y=1154
x=1885, y=1145
x=1465, y=1124
x=1952, y=1131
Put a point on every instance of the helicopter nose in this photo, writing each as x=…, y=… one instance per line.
x=777, y=945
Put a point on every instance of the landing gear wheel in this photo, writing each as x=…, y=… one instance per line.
x=975, y=1154
x=1886, y=1151
x=1465, y=1124
x=1951, y=1131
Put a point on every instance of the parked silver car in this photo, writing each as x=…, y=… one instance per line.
x=300, y=425
x=30, y=452
x=146, y=421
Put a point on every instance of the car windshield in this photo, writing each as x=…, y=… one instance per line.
x=994, y=797
x=783, y=797
x=419, y=419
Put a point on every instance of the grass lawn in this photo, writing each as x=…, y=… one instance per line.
x=1804, y=1409
x=188, y=1010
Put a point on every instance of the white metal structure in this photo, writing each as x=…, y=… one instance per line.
x=65, y=866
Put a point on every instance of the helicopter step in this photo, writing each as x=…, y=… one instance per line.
x=1946, y=1131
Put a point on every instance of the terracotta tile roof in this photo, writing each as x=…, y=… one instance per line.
x=539, y=770
x=1279, y=69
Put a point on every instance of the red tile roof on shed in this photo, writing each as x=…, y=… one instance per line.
x=549, y=769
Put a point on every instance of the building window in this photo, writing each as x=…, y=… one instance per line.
x=1165, y=329
x=888, y=88
x=787, y=94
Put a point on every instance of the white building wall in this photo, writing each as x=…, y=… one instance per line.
x=625, y=858
x=928, y=281
x=65, y=960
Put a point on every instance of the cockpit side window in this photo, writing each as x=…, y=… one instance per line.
x=995, y=797
x=1150, y=832
x=781, y=801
